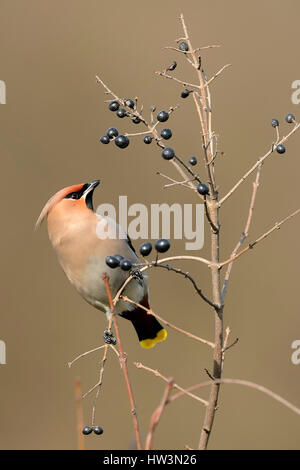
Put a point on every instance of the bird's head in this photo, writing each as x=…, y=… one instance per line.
x=73, y=199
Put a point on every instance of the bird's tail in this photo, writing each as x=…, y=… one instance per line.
x=148, y=329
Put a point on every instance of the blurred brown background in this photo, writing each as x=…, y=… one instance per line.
x=49, y=55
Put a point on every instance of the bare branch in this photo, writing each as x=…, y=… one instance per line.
x=79, y=415
x=151, y=127
x=167, y=323
x=171, y=77
x=259, y=239
x=160, y=261
x=85, y=354
x=156, y=416
x=190, y=278
x=245, y=383
x=257, y=164
x=123, y=360
x=216, y=75
x=244, y=234
x=139, y=365
x=174, y=182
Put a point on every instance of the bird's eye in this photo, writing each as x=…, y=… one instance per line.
x=73, y=196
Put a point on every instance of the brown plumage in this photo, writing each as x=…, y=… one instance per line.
x=75, y=232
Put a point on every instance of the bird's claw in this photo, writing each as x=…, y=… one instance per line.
x=109, y=337
x=136, y=274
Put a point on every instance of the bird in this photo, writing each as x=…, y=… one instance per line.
x=73, y=229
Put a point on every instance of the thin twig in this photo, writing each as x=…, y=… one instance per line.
x=79, y=415
x=203, y=106
x=196, y=50
x=98, y=385
x=151, y=126
x=85, y=354
x=123, y=360
x=245, y=383
x=212, y=225
x=190, y=278
x=167, y=323
x=259, y=162
x=156, y=416
x=160, y=261
x=171, y=77
x=216, y=75
x=174, y=182
x=139, y=365
x=192, y=85
x=244, y=234
x=259, y=239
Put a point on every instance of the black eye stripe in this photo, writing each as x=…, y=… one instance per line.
x=73, y=196
x=77, y=194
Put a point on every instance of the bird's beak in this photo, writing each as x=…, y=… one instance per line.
x=88, y=193
x=91, y=186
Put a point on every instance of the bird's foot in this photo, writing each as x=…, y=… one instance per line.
x=136, y=274
x=109, y=337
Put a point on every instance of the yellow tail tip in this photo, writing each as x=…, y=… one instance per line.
x=150, y=342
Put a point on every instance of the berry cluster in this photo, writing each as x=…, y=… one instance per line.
x=89, y=429
x=116, y=261
x=161, y=245
x=122, y=141
x=290, y=118
x=167, y=153
x=112, y=133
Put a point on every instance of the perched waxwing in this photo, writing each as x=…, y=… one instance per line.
x=76, y=233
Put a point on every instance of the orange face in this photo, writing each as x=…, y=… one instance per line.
x=77, y=197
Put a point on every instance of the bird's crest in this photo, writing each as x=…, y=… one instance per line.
x=54, y=200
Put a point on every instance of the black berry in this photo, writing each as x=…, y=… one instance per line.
x=163, y=116
x=121, y=113
x=162, y=245
x=290, y=118
x=122, y=141
x=130, y=103
x=147, y=139
x=172, y=66
x=98, y=430
x=146, y=248
x=168, y=153
x=193, y=161
x=118, y=257
x=185, y=93
x=112, y=132
x=274, y=123
x=104, y=139
x=113, y=106
x=183, y=46
x=202, y=189
x=280, y=148
x=125, y=264
x=166, y=134
x=136, y=120
x=112, y=262
x=87, y=430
